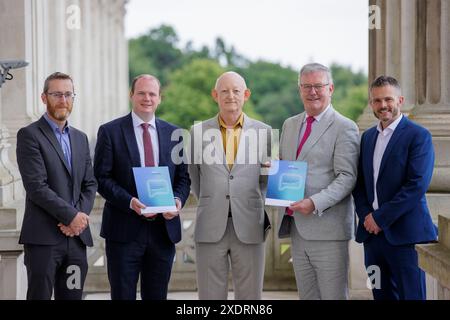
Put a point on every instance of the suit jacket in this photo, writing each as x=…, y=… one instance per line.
x=116, y=153
x=51, y=186
x=217, y=188
x=405, y=174
x=331, y=152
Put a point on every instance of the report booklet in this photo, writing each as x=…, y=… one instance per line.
x=154, y=189
x=286, y=182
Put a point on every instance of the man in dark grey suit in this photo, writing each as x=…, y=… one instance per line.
x=57, y=174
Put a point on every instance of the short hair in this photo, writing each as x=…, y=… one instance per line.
x=315, y=67
x=133, y=83
x=383, y=80
x=57, y=76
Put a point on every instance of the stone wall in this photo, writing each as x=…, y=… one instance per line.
x=84, y=38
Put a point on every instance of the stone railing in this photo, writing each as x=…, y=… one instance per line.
x=11, y=257
x=434, y=258
x=279, y=274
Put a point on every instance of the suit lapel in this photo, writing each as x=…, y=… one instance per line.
x=392, y=142
x=163, y=143
x=368, y=153
x=47, y=131
x=318, y=130
x=77, y=152
x=292, y=140
x=130, y=139
x=242, y=146
x=217, y=143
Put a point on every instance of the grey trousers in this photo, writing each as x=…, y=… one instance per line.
x=213, y=265
x=321, y=267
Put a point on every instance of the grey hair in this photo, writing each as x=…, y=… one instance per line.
x=315, y=67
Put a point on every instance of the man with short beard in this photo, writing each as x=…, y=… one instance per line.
x=395, y=170
x=55, y=164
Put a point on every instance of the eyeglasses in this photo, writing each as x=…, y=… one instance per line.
x=317, y=87
x=59, y=95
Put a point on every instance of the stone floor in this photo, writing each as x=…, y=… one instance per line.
x=267, y=295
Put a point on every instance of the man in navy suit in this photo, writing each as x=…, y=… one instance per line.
x=395, y=169
x=136, y=243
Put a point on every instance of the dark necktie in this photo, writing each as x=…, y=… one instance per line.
x=306, y=134
x=148, y=148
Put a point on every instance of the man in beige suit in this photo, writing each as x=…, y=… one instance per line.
x=229, y=153
x=320, y=225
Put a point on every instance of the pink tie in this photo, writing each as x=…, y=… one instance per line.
x=148, y=148
x=306, y=134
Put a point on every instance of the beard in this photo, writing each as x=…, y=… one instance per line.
x=59, y=111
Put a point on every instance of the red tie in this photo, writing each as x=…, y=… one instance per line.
x=148, y=148
x=306, y=134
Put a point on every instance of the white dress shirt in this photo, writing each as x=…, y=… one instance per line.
x=384, y=136
x=138, y=132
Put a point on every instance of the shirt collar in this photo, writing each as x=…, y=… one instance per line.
x=320, y=115
x=54, y=126
x=391, y=127
x=239, y=122
x=138, y=121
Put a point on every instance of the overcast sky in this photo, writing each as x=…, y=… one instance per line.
x=290, y=32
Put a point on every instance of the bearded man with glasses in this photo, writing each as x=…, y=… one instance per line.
x=55, y=165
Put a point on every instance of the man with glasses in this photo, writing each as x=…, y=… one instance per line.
x=56, y=169
x=321, y=224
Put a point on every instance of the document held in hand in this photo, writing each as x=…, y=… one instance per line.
x=154, y=189
x=286, y=182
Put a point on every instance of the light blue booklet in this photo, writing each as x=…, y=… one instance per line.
x=286, y=182
x=154, y=189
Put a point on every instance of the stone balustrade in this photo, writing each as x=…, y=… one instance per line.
x=434, y=258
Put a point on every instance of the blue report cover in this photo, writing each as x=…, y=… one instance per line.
x=286, y=182
x=154, y=189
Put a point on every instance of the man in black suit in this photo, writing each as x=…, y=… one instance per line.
x=57, y=175
x=136, y=243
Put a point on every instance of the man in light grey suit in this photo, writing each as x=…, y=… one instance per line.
x=229, y=153
x=320, y=225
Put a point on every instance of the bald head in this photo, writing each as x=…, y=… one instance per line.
x=235, y=77
x=230, y=93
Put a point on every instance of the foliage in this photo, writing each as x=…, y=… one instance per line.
x=189, y=74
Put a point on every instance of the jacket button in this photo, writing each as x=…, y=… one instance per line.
x=231, y=177
x=228, y=197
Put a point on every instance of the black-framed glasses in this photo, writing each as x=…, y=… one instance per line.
x=317, y=87
x=59, y=95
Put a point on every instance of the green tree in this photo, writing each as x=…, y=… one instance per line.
x=354, y=103
x=274, y=91
x=155, y=52
x=187, y=98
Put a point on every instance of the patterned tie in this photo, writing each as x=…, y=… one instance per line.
x=306, y=134
x=148, y=148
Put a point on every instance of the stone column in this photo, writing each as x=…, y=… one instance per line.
x=413, y=45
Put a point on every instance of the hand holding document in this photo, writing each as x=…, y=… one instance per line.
x=154, y=189
x=286, y=182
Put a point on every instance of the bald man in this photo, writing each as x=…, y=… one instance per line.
x=229, y=153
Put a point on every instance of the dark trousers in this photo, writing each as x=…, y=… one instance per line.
x=401, y=277
x=150, y=255
x=61, y=267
